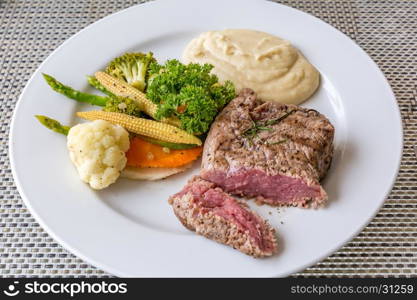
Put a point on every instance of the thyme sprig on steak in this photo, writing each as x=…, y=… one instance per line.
x=253, y=131
x=278, y=142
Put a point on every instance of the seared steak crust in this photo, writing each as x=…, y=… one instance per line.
x=207, y=210
x=275, y=152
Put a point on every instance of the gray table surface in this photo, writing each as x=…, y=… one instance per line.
x=387, y=30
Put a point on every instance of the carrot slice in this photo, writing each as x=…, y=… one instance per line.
x=144, y=154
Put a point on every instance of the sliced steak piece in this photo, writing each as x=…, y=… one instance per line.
x=207, y=210
x=275, y=152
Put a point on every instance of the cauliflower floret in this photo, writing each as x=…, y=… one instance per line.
x=97, y=149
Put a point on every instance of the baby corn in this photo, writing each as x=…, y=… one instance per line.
x=122, y=89
x=150, y=128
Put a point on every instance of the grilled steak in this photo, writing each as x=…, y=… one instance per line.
x=275, y=152
x=207, y=210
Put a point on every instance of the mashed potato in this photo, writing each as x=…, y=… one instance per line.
x=270, y=66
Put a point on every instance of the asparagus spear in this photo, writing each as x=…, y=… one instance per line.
x=96, y=84
x=74, y=94
x=53, y=124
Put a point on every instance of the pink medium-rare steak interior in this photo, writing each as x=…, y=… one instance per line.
x=274, y=190
x=221, y=204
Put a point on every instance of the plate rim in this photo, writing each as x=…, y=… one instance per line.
x=104, y=266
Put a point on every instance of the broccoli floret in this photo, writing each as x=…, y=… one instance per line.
x=189, y=92
x=123, y=105
x=132, y=68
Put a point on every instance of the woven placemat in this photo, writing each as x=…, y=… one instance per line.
x=386, y=30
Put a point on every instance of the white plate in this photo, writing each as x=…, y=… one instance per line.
x=129, y=229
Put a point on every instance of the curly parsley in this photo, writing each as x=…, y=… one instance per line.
x=189, y=92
